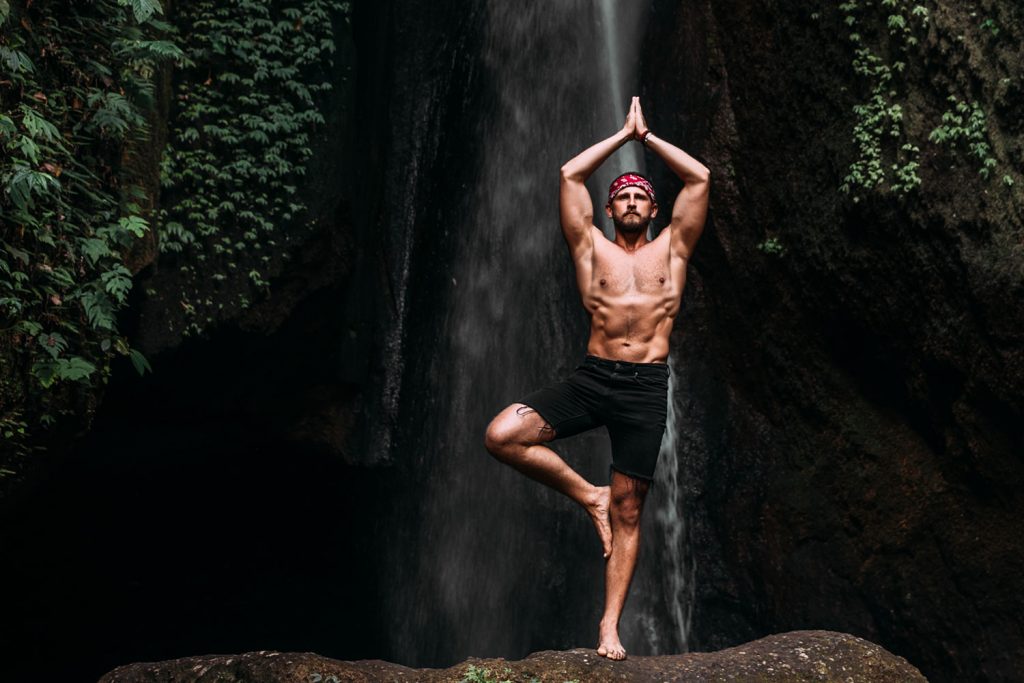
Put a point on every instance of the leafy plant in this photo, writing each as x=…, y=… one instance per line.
x=76, y=80
x=965, y=122
x=240, y=140
x=476, y=674
x=884, y=154
x=878, y=124
x=772, y=246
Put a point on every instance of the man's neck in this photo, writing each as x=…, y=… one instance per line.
x=631, y=241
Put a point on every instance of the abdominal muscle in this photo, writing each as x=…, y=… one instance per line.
x=637, y=332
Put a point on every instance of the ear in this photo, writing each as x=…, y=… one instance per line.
x=608, y=210
x=654, y=210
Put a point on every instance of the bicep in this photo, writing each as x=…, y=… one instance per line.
x=577, y=216
x=688, y=216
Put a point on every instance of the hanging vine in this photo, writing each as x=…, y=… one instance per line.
x=239, y=143
x=884, y=35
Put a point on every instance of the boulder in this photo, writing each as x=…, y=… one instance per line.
x=784, y=658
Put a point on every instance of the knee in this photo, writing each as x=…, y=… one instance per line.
x=498, y=437
x=625, y=510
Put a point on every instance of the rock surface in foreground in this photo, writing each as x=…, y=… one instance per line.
x=786, y=657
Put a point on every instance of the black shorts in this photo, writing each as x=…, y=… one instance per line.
x=631, y=399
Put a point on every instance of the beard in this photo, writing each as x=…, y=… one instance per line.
x=630, y=223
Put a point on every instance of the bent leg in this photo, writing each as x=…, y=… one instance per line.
x=516, y=437
x=627, y=500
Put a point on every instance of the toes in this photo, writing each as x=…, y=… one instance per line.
x=616, y=654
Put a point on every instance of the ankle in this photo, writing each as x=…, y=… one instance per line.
x=595, y=496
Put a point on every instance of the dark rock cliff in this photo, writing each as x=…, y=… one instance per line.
x=853, y=405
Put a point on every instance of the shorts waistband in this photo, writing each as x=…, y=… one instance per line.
x=625, y=366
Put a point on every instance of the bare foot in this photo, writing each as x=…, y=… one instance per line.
x=598, y=511
x=610, y=646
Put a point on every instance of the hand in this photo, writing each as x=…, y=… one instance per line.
x=640, y=128
x=629, y=128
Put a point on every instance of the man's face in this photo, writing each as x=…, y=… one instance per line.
x=631, y=210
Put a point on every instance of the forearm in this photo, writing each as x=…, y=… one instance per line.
x=581, y=166
x=682, y=164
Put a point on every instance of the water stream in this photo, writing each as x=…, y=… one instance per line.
x=501, y=566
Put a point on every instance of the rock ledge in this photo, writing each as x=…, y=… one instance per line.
x=791, y=657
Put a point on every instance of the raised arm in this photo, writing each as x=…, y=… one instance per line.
x=577, y=211
x=691, y=206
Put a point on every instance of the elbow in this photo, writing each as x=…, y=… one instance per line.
x=567, y=172
x=699, y=182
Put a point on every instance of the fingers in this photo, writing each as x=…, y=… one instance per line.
x=636, y=113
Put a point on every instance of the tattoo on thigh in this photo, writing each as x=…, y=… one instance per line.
x=637, y=487
x=544, y=429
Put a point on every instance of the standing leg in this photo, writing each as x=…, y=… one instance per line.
x=627, y=500
x=515, y=437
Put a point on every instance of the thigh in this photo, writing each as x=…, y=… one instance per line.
x=570, y=406
x=637, y=428
x=519, y=423
x=635, y=448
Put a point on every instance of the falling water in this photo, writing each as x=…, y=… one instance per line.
x=500, y=565
x=672, y=528
x=617, y=29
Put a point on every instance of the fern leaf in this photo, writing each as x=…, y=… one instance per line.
x=140, y=362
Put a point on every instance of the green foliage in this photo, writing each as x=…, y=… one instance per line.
x=964, y=122
x=240, y=140
x=772, y=247
x=477, y=675
x=143, y=9
x=75, y=79
x=884, y=154
x=883, y=151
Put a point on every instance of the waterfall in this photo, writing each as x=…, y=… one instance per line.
x=616, y=30
x=672, y=534
x=500, y=565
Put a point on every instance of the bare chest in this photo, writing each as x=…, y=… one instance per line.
x=617, y=272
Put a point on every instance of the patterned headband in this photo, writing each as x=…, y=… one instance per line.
x=630, y=180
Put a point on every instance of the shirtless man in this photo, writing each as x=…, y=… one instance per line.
x=631, y=287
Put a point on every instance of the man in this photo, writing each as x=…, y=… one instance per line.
x=631, y=287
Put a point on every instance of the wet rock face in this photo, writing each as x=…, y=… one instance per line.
x=787, y=657
x=854, y=404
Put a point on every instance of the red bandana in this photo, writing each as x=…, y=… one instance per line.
x=630, y=180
